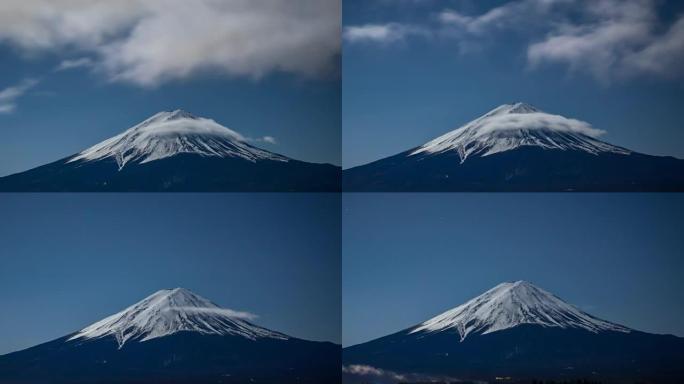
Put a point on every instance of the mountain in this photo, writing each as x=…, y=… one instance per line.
x=516, y=147
x=174, y=336
x=176, y=151
x=521, y=332
x=511, y=304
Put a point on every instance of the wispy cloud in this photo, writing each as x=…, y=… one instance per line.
x=140, y=41
x=367, y=370
x=517, y=14
x=616, y=40
x=7, y=108
x=538, y=121
x=9, y=95
x=263, y=139
x=382, y=33
x=269, y=139
x=75, y=63
x=218, y=311
x=609, y=39
x=381, y=376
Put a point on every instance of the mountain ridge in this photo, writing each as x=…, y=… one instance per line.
x=168, y=311
x=511, y=126
x=170, y=133
x=175, y=151
x=517, y=147
x=195, y=342
x=511, y=304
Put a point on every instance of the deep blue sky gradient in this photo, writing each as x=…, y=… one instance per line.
x=68, y=260
x=408, y=257
x=399, y=95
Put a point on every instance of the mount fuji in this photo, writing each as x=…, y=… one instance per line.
x=521, y=332
x=517, y=147
x=174, y=336
x=176, y=151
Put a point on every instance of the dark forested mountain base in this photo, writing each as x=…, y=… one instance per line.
x=521, y=169
x=180, y=173
x=184, y=357
x=526, y=353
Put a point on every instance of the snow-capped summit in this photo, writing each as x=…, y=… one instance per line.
x=518, y=107
x=170, y=133
x=173, y=115
x=174, y=336
x=168, y=311
x=511, y=126
x=511, y=304
x=176, y=151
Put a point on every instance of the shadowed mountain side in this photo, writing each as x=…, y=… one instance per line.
x=180, y=173
x=522, y=169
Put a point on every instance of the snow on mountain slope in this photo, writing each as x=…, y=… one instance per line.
x=170, y=133
x=511, y=304
x=510, y=126
x=173, y=310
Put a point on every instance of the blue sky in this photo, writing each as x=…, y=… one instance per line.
x=69, y=260
x=415, y=69
x=75, y=73
x=408, y=257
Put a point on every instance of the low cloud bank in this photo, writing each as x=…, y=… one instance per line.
x=359, y=373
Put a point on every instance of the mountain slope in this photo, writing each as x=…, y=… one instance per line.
x=521, y=331
x=516, y=147
x=176, y=151
x=171, y=133
x=511, y=304
x=174, y=336
x=169, y=311
x=512, y=126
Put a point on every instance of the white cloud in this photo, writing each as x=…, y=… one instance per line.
x=148, y=42
x=9, y=95
x=663, y=56
x=609, y=39
x=367, y=370
x=449, y=16
x=379, y=375
x=53, y=24
x=454, y=24
x=514, y=14
x=616, y=39
x=219, y=311
x=383, y=33
x=263, y=139
x=13, y=92
x=269, y=139
x=7, y=108
x=75, y=63
x=537, y=120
